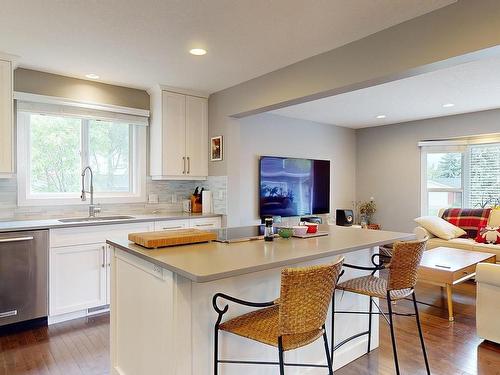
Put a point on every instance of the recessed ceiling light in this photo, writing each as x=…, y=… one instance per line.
x=448, y=105
x=381, y=116
x=92, y=76
x=198, y=51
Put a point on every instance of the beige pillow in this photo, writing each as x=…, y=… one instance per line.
x=440, y=227
x=494, y=219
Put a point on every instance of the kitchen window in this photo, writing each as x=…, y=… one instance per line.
x=56, y=142
x=460, y=173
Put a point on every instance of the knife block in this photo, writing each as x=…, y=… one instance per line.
x=196, y=206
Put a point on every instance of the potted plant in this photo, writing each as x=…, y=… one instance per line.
x=366, y=210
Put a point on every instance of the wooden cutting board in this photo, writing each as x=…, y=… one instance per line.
x=153, y=240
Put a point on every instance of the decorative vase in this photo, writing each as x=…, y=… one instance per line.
x=363, y=220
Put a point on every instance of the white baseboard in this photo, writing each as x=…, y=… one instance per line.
x=344, y=355
x=74, y=315
x=64, y=317
x=347, y=354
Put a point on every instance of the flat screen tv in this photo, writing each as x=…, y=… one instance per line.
x=293, y=187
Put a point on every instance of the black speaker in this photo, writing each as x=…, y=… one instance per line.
x=345, y=218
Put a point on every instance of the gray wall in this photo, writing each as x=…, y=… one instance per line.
x=274, y=135
x=41, y=83
x=388, y=162
x=425, y=43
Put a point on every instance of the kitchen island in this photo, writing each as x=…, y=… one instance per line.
x=162, y=319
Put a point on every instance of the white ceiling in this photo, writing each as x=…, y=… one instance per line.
x=473, y=86
x=144, y=42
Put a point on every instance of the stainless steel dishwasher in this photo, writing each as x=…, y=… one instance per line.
x=23, y=276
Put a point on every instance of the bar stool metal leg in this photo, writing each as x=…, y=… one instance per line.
x=280, y=353
x=422, y=343
x=393, y=336
x=327, y=352
x=370, y=309
x=333, y=327
x=216, y=350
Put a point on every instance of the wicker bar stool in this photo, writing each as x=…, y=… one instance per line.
x=400, y=284
x=294, y=320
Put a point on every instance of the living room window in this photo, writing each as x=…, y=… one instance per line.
x=465, y=174
x=56, y=142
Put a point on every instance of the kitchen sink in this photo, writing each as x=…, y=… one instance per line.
x=98, y=218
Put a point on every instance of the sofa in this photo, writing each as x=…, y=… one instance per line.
x=488, y=301
x=466, y=242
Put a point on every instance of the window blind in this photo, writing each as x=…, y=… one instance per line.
x=80, y=111
x=484, y=167
x=461, y=141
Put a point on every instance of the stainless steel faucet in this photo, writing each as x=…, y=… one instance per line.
x=93, y=210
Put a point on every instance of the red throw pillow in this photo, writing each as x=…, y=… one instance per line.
x=489, y=235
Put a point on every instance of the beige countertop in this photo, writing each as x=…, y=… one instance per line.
x=214, y=260
x=14, y=225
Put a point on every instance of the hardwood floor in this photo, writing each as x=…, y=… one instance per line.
x=453, y=347
x=81, y=347
x=77, y=347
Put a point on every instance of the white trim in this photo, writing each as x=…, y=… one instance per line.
x=178, y=90
x=178, y=178
x=45, y=99
x=13, y=59
x=54, y=319
x=25, y=198
x=424, y=190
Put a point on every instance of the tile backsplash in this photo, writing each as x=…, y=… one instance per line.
x=170, y=197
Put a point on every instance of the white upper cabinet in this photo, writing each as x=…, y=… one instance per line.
x=178, y=135
x=173, y=151
x=6, y=119
x=196, y=136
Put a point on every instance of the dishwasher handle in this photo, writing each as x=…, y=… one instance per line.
x=16, y=239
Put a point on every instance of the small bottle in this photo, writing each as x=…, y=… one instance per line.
x=269, y=230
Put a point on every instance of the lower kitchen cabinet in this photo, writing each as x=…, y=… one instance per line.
x=78, y=278
x=171, y=225
x=79, y=268
x=205, y=223
x=79, y=264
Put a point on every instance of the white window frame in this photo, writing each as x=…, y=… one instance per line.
x=137, y=175
x=459, y=144
x=424, y=190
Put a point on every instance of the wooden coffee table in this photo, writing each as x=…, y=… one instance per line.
x=446, y=267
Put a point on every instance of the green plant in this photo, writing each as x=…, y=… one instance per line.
x=368, y=208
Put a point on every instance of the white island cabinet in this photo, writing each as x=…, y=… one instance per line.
x=162, y=319
x=178, y=134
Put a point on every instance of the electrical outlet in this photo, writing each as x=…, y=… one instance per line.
x=153, y=198
x=221, y=194
x=157, y=271
x=174, y=198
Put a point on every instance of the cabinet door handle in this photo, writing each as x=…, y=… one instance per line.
x=205, y=225
x=189, y=165
x=184, y=165
x=103, y=256
x=176, y=227
x=6, y=314
x=16, y=239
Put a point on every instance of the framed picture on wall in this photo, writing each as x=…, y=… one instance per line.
x=216, y=148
